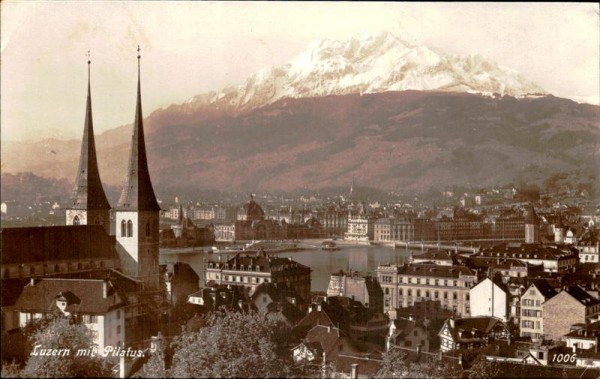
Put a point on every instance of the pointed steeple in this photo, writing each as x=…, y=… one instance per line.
x=137, y=193
x=88, y=193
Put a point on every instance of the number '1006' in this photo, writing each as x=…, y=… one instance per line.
x=564, y=358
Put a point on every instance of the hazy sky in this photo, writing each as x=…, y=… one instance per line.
x=191, y=47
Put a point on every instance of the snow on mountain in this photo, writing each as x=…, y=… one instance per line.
x=367, y=64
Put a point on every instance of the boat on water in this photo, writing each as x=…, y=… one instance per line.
x=274, y=246
x=329, y=246
x=232, y=250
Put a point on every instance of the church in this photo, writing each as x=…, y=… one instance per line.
x=57, y=270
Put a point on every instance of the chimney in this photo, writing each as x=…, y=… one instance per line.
x=354, y=374
x=419, y=349
x=328, y=328
x=318, y=307
x=32, y=281
x=451, y=322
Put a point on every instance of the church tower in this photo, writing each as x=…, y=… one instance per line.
x=89, y=205
x=137, y=213
x=532, y=226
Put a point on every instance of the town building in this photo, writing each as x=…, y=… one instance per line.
x=359, y=287
x=249, y=271
x=532, y=309
x=432, y=256
x=554, y=258
x=360, y=228
x=589, y=246
x=224, y=232
x=96, y=303
x=446, y=286
x=471, y=332
x=490, y=298
x=334, y=220
x=570, y=306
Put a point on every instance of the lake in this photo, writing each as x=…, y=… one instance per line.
x=323, y=263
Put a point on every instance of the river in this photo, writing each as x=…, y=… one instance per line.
x=323, y=263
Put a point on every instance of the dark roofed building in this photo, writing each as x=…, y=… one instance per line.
x=570, y=306
x=251, y=270
x=96, y=303
x=47, y=250
x=554, y=258
x=471, y=332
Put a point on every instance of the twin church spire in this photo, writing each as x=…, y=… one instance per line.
x=137, y=193
x=88, y=193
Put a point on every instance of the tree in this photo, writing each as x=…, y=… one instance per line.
x=396, y=365
x=245, y=345
x=10, y=370
x=484, y=369
x=62, y=339
x=156, y=367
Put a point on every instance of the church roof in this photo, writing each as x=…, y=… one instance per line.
x=137, y=193
x=56, y=243
x=88, y=193
x=253, y=210
x=531, y=217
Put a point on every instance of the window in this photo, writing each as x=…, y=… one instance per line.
x=387, y=291
x=399, y=291
x=129, y=228
x=123, y=229
x=454, y=296
x=118, y=329
x=118, y=314
x=76, y=220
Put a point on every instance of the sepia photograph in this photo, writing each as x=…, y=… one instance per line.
x=292, y=189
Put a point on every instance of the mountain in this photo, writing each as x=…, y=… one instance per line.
x=371, y=63
x=394, y=115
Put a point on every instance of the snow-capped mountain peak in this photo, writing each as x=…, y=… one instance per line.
x=369, y=63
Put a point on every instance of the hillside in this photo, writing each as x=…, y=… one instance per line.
x=391, y=140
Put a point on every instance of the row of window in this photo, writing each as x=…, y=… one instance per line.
x=127, y=228
x=243, y=279
x=436, y=294
x=531, y=324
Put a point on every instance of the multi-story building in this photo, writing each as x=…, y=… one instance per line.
x=225, y=232
x=554, y=258
x=470, y=332
x=360, y=228
x=393, y=229
x=249, y=271
x=448, y=286
x=572, y=305
x=363, y=288
x=94, y=302
x=589, y=247
x=334, y=220
x=490, y=298
x=531, y=309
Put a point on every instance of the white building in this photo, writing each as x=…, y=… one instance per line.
x=489, y=299
x=94, y=302
x=360, y=229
